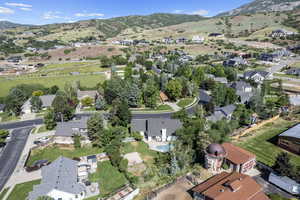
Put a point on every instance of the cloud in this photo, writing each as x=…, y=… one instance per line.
x=3, y=20
x=22, y=5
x=4, y=10
x=52, y=15
x=201, y=12
x=89, y=15
x=26, y=9
x=178, y=11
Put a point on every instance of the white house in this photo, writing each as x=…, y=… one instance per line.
x=198, y=39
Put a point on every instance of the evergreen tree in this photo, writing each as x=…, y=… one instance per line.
x=50, y=120
x=283, y=165
x=36, y=103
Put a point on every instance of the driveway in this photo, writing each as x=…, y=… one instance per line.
x=12, y=152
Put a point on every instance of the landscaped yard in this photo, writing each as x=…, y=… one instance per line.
x=185, y=102
x=42, y=129
x=48, y=81
x=52, y=153
x=5, y=117
x=259, y=142
x=108, y=177
x=21, y=191
x=2, y=194
x=140, y=147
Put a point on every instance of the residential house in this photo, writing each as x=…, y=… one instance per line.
x=204, y=98
x=281, y=33
x=14, y=59
x=163, y=97
x=221, y=80
x=235, y=158
x=222, y=113
x=46, y=103
x=225, y=186
x=244, y=90
x=234, y=62
x=268, y=57
x=181, y=40
x=215, y=35
x=293, y=71
x=158, y=129
x=168, y=40
x=290, y=139
x=257, y=75
x=65, y=131
x=198, y=39
x=59, y=181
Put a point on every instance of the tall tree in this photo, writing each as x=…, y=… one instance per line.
x=95, y=127
x=283, y=164
x=174, y=89
x=49, y=120
x=36, y=103
x=150, y=93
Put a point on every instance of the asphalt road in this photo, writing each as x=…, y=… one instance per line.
x=11, y=154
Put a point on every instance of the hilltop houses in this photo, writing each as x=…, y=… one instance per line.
x=198, y=39
x=258, y=76
x=281, y=33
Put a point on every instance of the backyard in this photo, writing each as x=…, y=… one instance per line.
x=108, y=177
x=21, y=191
x=52, y=153
x=263, y=142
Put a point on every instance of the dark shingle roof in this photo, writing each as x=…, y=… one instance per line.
x=293, y=132
x=66, y=129
x=153, y=127
x=47, y=100
x=204, y=97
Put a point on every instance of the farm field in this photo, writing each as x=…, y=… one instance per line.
x=260, y=142
x=85, y=80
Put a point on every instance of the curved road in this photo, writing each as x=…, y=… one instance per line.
x=11, y=154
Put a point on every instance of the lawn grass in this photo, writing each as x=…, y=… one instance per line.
x=108, y=177
x=52, y=153
x=259, y=142
x=42, y=129
x=5, y=117
x=163, y=107
x=3, y=193
x=20, y=191
x=140, y=147
x=185, y=102
x=60, y=81
x=286, y=75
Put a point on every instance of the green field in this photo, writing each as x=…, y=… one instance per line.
x=108, y=177
x=66, y=68
x=52, y=153
x=85, y=80
x=20, y=191
x=185, y=102
x=259, y=144
x=140, y=147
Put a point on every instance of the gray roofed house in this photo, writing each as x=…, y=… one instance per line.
x=47, y=100
x=257, y=75
x=243, y=90
x=293, y=71
x=66, y=130
x=222, y=113
x=160, y=129
x=59, y=181
x=293, y=132
x=235, y=62
x=204, y=98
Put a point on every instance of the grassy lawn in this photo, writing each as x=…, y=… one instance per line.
x=52, y=153
x=258, y=142
x=108, y=177
x=185, y=102
x=163, y=107
x=42, y=129
x=140, y=147
x=286, y=75
x=159, y=108
x=2, y=194
x=85, y=80
x=20, y=191
x=6, y=117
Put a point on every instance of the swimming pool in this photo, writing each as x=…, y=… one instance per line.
x=163, y=148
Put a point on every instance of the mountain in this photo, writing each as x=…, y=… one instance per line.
x=263, y=6
x=7, y=24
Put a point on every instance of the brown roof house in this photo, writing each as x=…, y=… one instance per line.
x=229, y=186
x=235, y=158
x=163, y=97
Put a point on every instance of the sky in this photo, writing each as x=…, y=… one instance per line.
x=39, y=12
